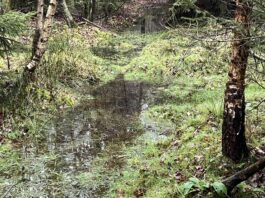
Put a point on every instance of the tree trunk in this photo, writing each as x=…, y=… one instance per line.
x=67, y=14
x=39, y=26
x=45, y=31
x=93, y=10
x=90, y=9
x=233, y=130
x=1, y=119
x=86, y=8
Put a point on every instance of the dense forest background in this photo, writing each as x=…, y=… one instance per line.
x=132, y=98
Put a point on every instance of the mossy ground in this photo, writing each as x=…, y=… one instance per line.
x=189, y=80
x=192, y=81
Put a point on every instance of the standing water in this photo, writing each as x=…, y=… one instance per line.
x=58, y=166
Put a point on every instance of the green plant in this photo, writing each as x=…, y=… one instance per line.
x=11, y=25
x=194, y=185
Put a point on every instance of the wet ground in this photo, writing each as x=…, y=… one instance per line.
x=79, y=142
x=99, y=126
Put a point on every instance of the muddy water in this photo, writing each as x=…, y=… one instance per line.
x=76, y=137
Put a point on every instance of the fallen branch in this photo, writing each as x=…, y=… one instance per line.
x=97, y=26
x=91, y=23
x=244, y=174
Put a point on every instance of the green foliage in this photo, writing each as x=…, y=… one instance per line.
x=196, y=185
x=13, y=135
x=10, y=161
x=11, y=25
x=193, y=101
x=180, y=7
x=186, y=104
x=220, y=189
x=169, y=55
x=69, y=56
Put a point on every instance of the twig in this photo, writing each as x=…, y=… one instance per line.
x=6, y=193
x=257, y=106
x=258, y=57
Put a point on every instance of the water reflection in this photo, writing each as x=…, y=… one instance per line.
x=111, y=117
x=76, y=137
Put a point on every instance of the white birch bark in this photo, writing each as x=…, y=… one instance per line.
x=44, y=27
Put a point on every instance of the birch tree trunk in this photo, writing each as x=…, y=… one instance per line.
x=233, y=130
x=39, y=26
x=44, y=27
x=67, y=14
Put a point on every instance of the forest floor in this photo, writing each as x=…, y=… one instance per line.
x=129, y=115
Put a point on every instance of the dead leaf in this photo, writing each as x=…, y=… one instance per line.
x=139, y=192
x=199, y=171
x=179, y=176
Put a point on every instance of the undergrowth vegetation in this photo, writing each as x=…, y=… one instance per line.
x=188, y=81
x=191, y=98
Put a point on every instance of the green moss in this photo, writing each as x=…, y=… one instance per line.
x=189, y=82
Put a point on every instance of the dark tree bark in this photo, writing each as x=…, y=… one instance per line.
x=89, y=9
x=23, y=5
x=1, y=119
x=233, y=130
x=143, y=26
x=86, y=8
